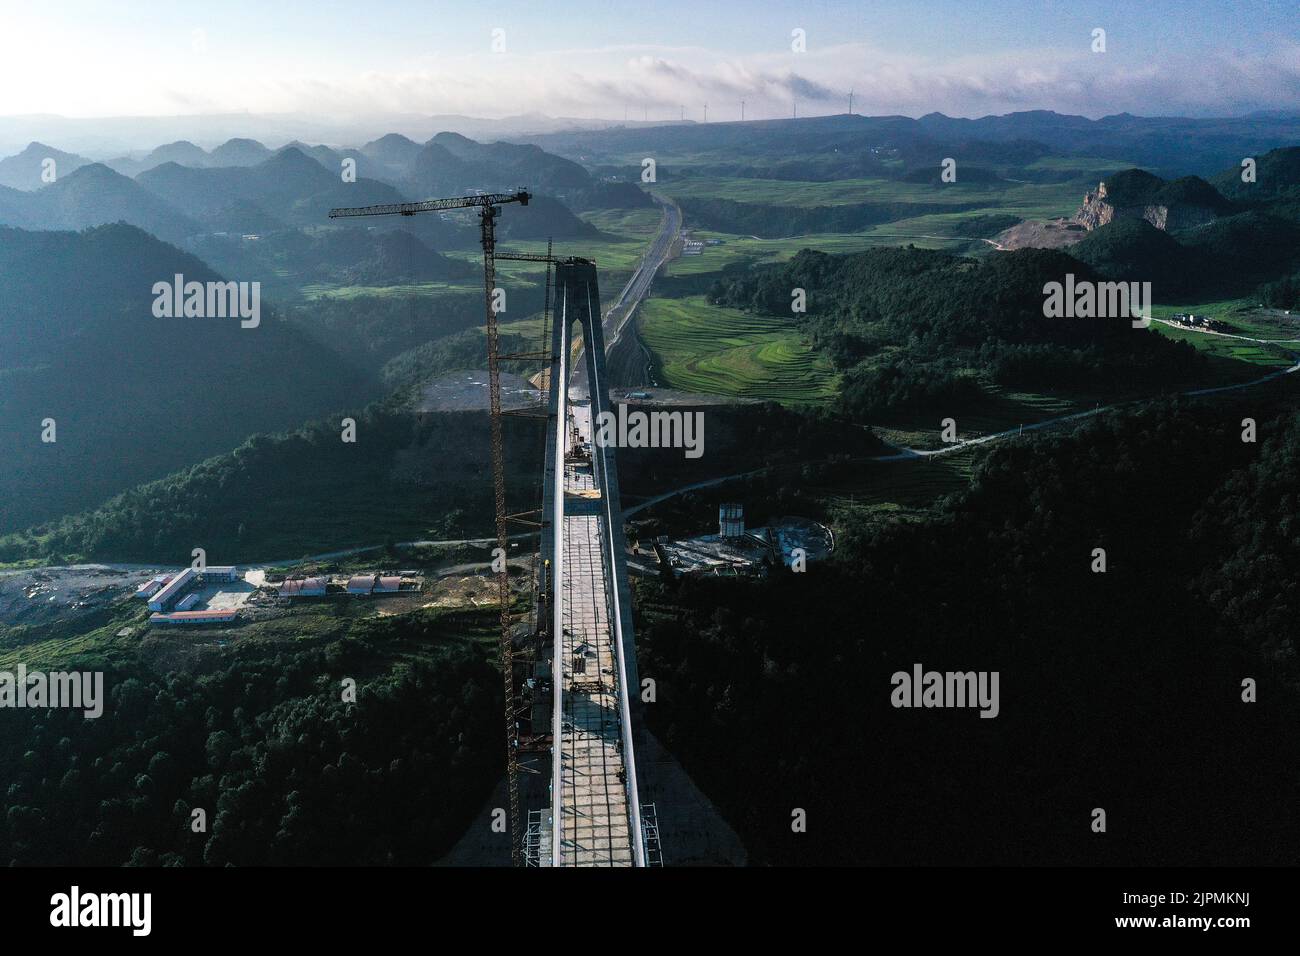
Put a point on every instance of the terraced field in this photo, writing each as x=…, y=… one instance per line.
x=699, y=348
x=897, y=487
x=1262, y=358
x=995, y=411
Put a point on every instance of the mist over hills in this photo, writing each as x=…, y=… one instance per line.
x=92, y=195
x=232, y=153
x=1186, y=144
x=507, y=162
x=393, y=150
x=180, y=192
x=1176, y=144
x=244, y=186
x=25, y=170
x=240, y=152
x=288, y=185
x=109, y=137
x=1189, y=144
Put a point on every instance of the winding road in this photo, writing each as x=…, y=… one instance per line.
x=919, y=454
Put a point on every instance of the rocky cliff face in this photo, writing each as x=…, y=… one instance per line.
x=1097, y=210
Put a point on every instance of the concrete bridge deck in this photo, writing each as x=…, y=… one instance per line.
x=594, y=818
x=595, y=823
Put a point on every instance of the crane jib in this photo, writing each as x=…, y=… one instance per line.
x=488, y=200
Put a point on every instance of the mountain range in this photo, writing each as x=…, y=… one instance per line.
x=91, y=195
x=288, y=186
x=135, y=135
x=1177, y=145
x=28, y=169
x=179, y=191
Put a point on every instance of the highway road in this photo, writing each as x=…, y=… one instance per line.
x=627, y=363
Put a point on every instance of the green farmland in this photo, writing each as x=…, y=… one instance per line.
x=625, y=233
x=1245, y=320
x=700, y=348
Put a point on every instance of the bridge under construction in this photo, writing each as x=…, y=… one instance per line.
x=595, y=817
x=575, y=659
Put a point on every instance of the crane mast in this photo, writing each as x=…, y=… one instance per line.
x=489, y=206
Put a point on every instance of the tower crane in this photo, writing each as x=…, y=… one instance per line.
x=489, y=206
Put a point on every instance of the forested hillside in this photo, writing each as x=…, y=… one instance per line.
x=280, y=496
x=133, y=396
x=410, y=475
x=285, y=772
x=1277, y=179
x=1101, y=673
x=913, y=328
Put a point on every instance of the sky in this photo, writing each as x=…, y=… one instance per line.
x=656, y=59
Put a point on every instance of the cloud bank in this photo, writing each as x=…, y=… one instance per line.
x=659, y=83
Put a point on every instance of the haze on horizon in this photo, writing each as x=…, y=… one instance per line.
x=655, y=60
